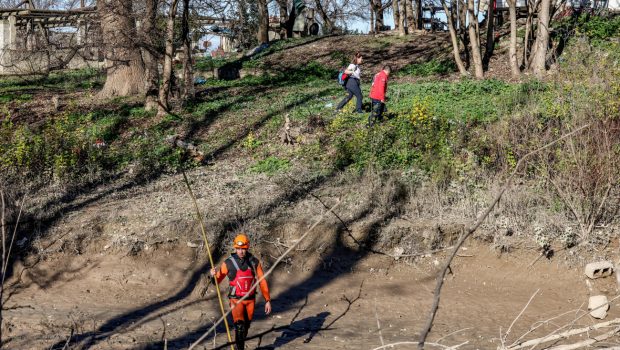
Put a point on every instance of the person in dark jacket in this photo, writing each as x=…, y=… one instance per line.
x=378, y=91
x=353, y=84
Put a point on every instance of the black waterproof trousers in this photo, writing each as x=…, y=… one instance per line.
x=353, y=88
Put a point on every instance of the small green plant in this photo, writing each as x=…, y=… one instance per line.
x=250, y=142
x=270, y=166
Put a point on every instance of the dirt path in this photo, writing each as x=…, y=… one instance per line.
x=124, y=302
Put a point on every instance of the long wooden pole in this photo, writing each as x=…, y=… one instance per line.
x=204, y=237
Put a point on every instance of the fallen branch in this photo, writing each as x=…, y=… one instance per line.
x=587, y=342
x=548, y=338
x=503, y=339
x=473, y=228
x=393, y=345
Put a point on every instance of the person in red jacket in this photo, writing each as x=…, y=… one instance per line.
x=377, y=94
x=242, y=270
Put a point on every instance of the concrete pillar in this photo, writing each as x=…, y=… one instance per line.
x=30, y=37
x=226, y=43
x=81, y=32
x=8, y=33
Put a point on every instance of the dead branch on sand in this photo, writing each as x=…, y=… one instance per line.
x=446, y=347
x=553, y=337
x=473, y=228
x=517, y=344
x=276, y=263
x=503, y=339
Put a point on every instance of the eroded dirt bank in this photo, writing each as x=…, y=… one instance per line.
x=119, y=301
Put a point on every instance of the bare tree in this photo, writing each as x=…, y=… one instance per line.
x=450, y=14
x=150, y=54
x=532, y=8
x=512, y=52
x=541, y=45
x=263, y=22
x=188, y=76
x=125, y=71
x=474, y=39
x=402, y=9
x=167, y=74
x=490, y=43
x=410, y=16
x=396, y=9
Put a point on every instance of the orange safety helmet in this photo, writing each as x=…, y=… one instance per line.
x=241, y=241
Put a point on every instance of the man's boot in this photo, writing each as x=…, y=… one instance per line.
x=240, y=333
x=246, y=329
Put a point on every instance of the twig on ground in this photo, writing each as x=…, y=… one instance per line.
x=587, y=342
x=447, y=335
x=446, y=347
x=503, y=339
x=68, y=339
x=378, y=323
x=552, y=337
x=539, y=324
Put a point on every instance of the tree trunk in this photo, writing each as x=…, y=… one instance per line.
x=454, y=38
x=410, y=17
x=263, y=22
x=283, y=18
x=462, y=30
x=420, y=15
x=490, y=45
x=188, y=75
x=402, y=26
x=167, y=74
x=512, y=53
x=395, y=5
x=149, y=54
x=379, y=16
x=542, y=40
x=474, y=40
x=125, y=72
x=328, y=23
x=371, y=27
x=527, y=39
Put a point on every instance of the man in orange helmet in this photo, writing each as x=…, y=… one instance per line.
x=242, y=270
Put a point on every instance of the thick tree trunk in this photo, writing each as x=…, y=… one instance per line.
x=167, y=74
x=395, y=8
x=455, y=40
x=188, y=75
x=542, y=40
x=474, y=40
x=125, y=72
x=149, y=54
x=410, y=17
x=263, y=22
x=371, y=28
x=379, y=16
x=402, y=30
x=512, y=53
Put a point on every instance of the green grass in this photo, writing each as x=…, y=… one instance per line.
x=429, y=128
x=425, y=69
